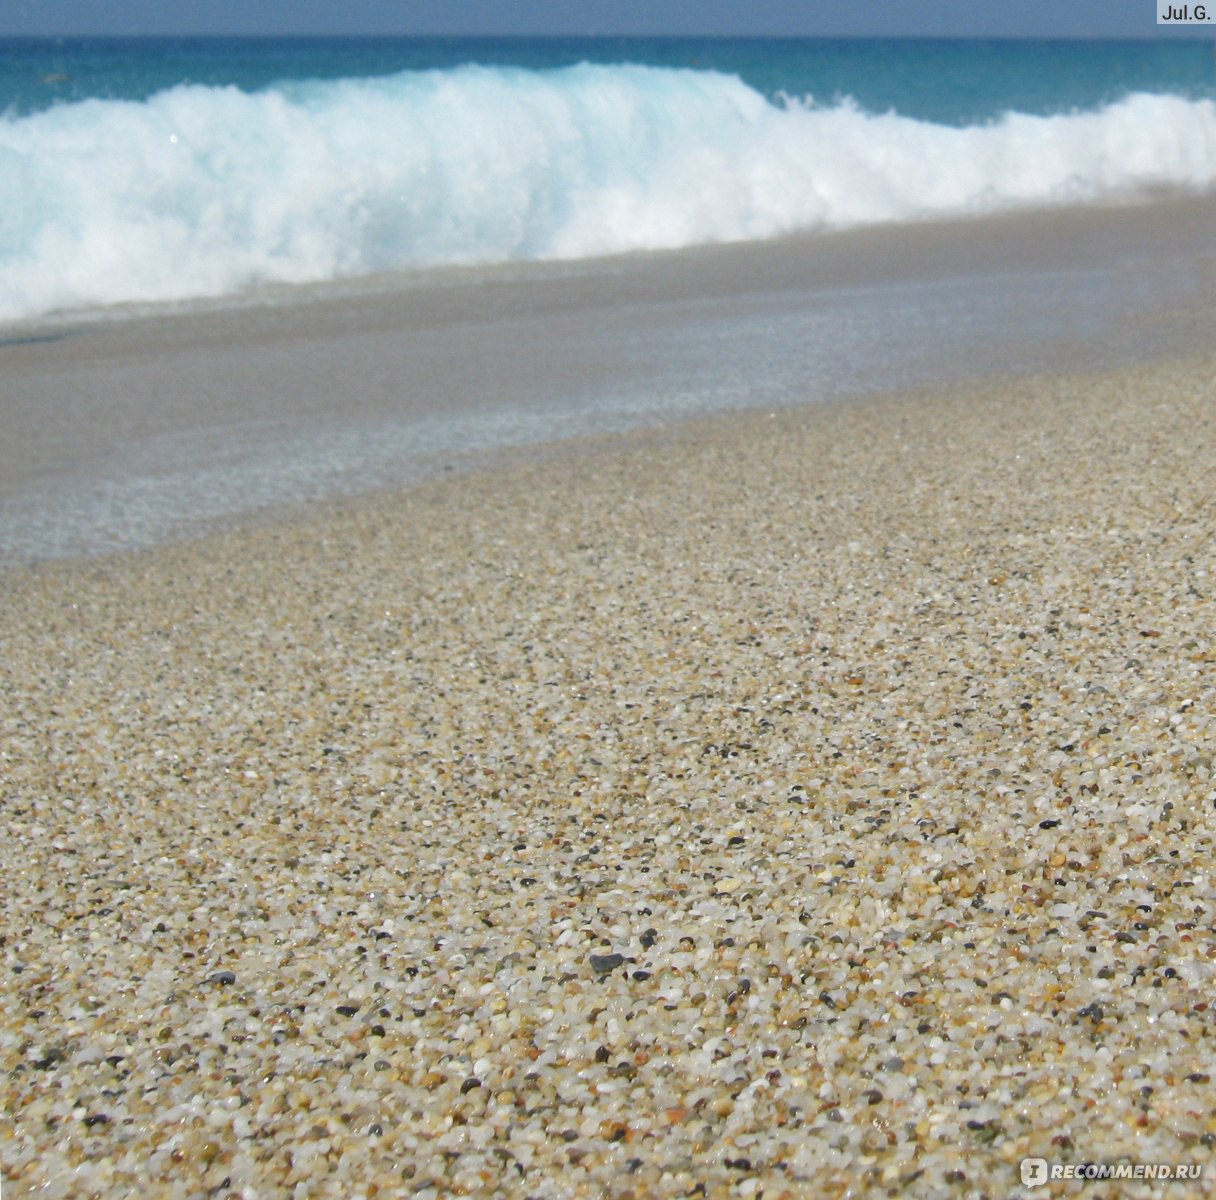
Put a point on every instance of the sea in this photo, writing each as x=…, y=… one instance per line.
x=245, y=276
x=136, y=171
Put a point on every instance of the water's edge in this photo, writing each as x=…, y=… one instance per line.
x=122, y=433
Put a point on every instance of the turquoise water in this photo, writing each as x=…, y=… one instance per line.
x=165, y=170
x=954, y=82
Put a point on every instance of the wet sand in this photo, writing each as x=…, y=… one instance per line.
x=813, y=804
x=121, y=433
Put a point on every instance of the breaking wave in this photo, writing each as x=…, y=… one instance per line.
x=208, y=191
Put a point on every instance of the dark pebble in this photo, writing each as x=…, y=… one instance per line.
x=224, y=978
x=471, y=1084
x=873, y=1096
x=1048, y=824
x=348, y=1010
x=601, y=964
x=96, y=1119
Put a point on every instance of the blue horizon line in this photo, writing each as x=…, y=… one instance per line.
x=1165, y=33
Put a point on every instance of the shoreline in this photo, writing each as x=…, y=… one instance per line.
x=806, y=802
x=1068, y=237
x=128, y=433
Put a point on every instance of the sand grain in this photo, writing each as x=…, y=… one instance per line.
x=794, y=804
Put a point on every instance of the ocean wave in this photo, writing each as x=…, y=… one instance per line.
x=202, y=192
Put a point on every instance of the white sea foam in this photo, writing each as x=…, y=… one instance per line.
x=206, y=191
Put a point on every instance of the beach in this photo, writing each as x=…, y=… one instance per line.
x=131, y=427
x=805, y=802
x=607, y=617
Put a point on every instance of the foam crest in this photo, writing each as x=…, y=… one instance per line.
x=208, y=191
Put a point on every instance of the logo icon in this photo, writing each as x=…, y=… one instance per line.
x=1034, y=1171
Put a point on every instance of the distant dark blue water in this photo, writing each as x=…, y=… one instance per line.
x=954, y=82
x=152, y=170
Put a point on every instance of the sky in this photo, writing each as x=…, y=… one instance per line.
x=888, y=18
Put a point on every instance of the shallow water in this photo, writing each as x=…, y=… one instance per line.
x=123, y=432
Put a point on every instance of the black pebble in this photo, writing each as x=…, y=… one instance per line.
x=470, y=1084
x=601, y=964
x=222, y=977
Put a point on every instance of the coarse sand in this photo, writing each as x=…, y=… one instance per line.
x=815, y=804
